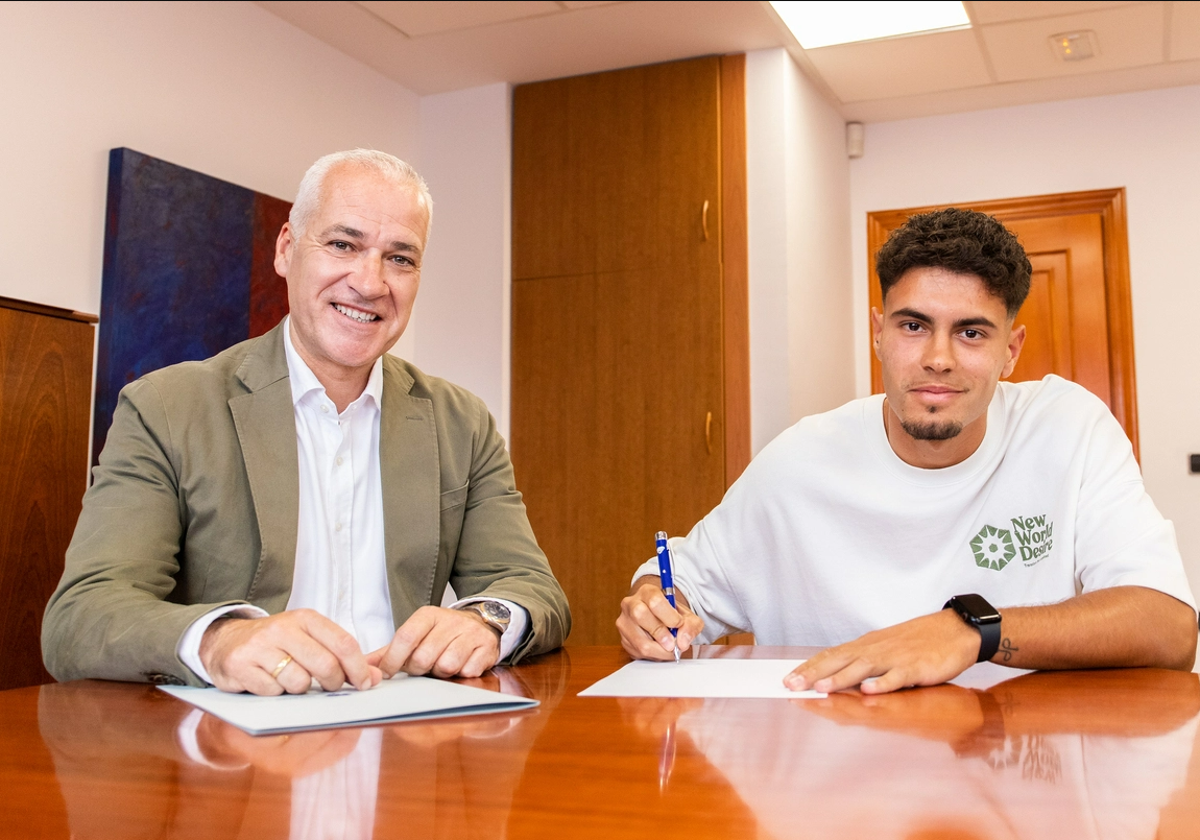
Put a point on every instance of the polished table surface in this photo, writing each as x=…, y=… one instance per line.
x=1085, y=754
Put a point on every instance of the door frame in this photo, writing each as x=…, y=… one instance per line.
x=1110, y=205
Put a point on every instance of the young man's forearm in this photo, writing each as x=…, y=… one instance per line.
x=1125, y=626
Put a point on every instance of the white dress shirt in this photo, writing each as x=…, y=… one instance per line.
x=341, y=569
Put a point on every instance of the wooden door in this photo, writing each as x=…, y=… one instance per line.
x=1078, y=318
x=45, y=408
x=622, y=314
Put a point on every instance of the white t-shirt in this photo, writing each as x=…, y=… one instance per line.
x=829, y=535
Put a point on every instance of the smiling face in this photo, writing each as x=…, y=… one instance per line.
x=352, y=275
x=943, y=342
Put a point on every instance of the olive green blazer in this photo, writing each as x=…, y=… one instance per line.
x=195, y=500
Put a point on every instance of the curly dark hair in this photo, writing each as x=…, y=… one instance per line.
x=962, y=241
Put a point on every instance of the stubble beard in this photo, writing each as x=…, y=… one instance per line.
x=929, y=429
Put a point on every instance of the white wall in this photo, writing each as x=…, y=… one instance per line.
x=224, y=88
x=801, y=353
x=464, y=307
x=1145, y=142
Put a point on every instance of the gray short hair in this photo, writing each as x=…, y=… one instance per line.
x=308, y=196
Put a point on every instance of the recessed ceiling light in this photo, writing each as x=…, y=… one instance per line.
x=822, y=23
x=1074, y=46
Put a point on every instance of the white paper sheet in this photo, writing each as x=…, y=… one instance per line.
x=985, y=675
x=397, y=699
x=700, y=678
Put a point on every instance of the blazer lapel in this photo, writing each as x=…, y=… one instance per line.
x=411, y=478
x=266, y=429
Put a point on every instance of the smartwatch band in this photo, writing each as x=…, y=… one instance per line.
x=981, y=615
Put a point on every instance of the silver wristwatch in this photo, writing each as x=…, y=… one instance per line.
x=493, y=613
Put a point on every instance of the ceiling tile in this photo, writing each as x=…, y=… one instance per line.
x=345, y=26
x=1128, y=36
x=588, y=40
x=1185, y=32
x=997, y=11
x=875, y=81
x=901, y=66
x=1150, y=77
x=417, y=18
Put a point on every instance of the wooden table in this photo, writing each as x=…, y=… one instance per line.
x=1057, y=755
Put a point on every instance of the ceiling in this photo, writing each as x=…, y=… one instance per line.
x=1005, y=58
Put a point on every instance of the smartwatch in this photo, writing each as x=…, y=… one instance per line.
x=981, y=615
x=493, y=613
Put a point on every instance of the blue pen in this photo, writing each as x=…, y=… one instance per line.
x=664, y=572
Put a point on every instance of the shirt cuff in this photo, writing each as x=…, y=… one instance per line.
x=517, y=626
x=188, y=649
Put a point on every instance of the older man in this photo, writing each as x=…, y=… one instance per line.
x=293, y=508
x=853, y=528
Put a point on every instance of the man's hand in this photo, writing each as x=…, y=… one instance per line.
x=924, y=651
x=442, y=642
x=647, y=618
x=242, y=654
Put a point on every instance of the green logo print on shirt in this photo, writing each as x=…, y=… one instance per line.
x=1035, y=537
x=994, y=547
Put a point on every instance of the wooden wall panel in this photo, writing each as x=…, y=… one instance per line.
x=45, y=408
x=609, y=431
x=630, y=311
x=542, y=172
x=611, y=171
x=735, y=268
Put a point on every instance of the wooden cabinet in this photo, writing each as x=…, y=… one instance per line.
x=630, y=396
x=45, y=407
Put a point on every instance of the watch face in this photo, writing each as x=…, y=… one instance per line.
x=977, y=609
x=494, y=611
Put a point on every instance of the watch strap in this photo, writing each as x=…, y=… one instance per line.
x=981, y=615
x=989, y=640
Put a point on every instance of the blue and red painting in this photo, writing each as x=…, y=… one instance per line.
x=188, y=271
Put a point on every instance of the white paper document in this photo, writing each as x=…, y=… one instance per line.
x=399, y=699
x=701, y=678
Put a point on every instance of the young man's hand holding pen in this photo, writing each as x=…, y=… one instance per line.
x=647, y=618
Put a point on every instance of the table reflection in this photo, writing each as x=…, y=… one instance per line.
x=1042, y=755
x=1038, y=755
x=148, y=765
x=1102, y=754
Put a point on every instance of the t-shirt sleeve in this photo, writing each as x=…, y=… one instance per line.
x=1121, y=538
x=709, y=563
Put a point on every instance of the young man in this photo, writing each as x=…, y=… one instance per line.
x=293, y=508
x=853, y=528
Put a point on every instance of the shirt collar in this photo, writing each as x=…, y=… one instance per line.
x=304, y=381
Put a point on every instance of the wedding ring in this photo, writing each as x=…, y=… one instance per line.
x=283, y=663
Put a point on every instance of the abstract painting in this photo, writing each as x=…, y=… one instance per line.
x=188, y=271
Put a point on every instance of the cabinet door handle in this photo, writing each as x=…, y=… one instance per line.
x=708, y=427
x=704, y=220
